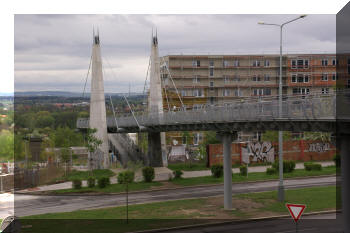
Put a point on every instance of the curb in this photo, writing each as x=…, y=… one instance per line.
x=232, y=221
x=40, y=193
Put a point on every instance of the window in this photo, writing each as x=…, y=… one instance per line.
x=324, y=77
x=236, y=78
x=300, y=78
x=334, y=77
x=267, y=63
x=226, y=79
x=195, y=79
x=256, y=63
x=325, y=90
x=258, y=92
x=225, y=63
x=324, y=62
x=197, y=92
x=211, y=63
x=196, y=138
x=306, y=79
x=211, y=72
x=300, y=63
x=211, y=85
x=302, y=91
x=183, y=92
x=294, y=78
x=238, y=92
x=226, y=92
x=184, y=140
x=267, y=91
x=236, y=63
x=334, y=62
x=266, y=78
x=196, y=63
x=256, y=78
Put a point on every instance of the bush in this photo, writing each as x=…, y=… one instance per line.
x=271, y=171
x=91, y=182
x=288, y=166
x=148, y=174
x=309, y=166
x=243, y=170
x=337, y=160
x=103, y=182
x=77, y=183
x=217, y=171
x=126, y=177
x=177, y=174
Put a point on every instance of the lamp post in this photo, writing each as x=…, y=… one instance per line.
x=280, y=132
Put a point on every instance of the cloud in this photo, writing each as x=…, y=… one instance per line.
x=52, y=52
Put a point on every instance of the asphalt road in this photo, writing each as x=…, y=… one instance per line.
x=307, y=224
x=25, y=205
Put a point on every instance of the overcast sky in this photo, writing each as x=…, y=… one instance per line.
x=52, y=52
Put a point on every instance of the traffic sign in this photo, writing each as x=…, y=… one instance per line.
x=295, y=210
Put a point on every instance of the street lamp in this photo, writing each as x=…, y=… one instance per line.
x=280, y=132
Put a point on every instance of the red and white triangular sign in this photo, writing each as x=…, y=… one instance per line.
x=295, y=210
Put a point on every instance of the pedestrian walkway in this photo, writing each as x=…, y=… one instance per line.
x=161, y=174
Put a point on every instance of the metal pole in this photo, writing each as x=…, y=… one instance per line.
x=280, y=132
x=226, y=139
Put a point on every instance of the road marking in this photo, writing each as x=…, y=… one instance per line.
x=299, y=230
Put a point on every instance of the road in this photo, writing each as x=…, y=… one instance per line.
x=307, y=224
x=39, y=204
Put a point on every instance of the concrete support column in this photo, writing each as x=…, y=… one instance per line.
x=155, y=150
x=226, y=138
x=344, y=140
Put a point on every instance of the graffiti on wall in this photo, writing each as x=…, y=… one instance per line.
x=258, y=152
x=319, y=147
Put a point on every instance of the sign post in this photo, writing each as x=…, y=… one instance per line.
x=296, y=211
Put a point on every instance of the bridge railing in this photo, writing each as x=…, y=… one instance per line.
x=293, y=109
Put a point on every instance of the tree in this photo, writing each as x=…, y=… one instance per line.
x=6, y=145
x=92, y=144
x=272, y=136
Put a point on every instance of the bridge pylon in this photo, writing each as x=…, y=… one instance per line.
x=156, y=141
x=98, y=121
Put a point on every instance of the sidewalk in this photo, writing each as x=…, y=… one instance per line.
x=161, y=174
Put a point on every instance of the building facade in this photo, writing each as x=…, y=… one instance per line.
x=192, y=81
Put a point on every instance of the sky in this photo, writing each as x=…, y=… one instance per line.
x=52, y=52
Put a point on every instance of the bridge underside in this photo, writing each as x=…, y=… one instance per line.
x=285, y=125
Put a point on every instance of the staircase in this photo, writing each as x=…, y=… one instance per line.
x=125, y=148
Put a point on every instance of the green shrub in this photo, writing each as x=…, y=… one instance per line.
x=217, y=171
x=91, y=182
x=126, y=177
x=243, y=170
x=177, y=174
x=310, y=166
x=103, y=182
x=77, y=183
x=148, y=174
x=337, y=160
x=270, y=171
x=288, y=166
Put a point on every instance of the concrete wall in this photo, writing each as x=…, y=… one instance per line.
x=293, y=150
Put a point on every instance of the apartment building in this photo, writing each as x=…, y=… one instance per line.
x=222, y=79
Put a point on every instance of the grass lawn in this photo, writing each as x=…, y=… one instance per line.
x=188, y=166
x=254, y=176
x=83, y=175
x=113, y=188
x=181, y=212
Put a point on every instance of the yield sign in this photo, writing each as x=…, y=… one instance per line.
x=295, y=210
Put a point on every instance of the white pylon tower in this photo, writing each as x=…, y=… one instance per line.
x=155, y=100
x=100, y=159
